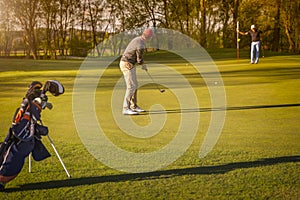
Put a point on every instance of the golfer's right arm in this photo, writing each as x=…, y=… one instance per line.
x=242, y=33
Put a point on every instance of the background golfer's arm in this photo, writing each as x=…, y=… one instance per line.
x=242, y=33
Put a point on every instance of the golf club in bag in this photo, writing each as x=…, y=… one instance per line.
x=56, y=89
x=25, y=135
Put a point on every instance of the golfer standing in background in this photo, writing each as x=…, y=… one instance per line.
x=255, y=44
x=133, y=55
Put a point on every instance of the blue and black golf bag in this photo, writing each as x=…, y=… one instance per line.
x=25, y=134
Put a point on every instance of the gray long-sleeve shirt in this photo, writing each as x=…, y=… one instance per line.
x=134, y=51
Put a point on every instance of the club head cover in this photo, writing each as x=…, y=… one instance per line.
x=54, y=87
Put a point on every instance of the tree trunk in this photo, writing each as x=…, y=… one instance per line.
x=290, y=40
x=203, y=41
x=276, y=35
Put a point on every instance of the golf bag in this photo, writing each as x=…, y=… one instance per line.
x=25, y=134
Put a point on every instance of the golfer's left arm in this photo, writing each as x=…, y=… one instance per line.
x=140, y=59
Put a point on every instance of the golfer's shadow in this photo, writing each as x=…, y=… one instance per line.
x=192, y=110
x=202, y=170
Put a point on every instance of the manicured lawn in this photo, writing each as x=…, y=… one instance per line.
x=256, y=157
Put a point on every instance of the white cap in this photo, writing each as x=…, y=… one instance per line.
x=252, y=26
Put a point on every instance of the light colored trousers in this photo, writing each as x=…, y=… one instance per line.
x=129, y=72
x=255, y=51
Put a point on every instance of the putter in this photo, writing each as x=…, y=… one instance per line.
x=161, y=90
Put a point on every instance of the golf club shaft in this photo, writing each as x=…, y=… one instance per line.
x=153, y=81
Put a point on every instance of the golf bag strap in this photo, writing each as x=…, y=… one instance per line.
x=24, y=111
x=21, y=110
x=23, y=127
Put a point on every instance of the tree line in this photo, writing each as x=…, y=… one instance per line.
x=73, y=27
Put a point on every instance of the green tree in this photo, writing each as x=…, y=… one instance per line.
x=6, y=29
x=26, y=13
x=50, y=11
x=291, y=24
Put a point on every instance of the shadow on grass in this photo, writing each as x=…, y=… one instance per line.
x=202, y=170
x=190, y=110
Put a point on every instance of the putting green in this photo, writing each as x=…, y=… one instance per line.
x=256, y=156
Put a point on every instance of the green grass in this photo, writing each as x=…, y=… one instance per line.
x=256, y=157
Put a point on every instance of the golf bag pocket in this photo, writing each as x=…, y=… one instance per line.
x=15, y=157
x=39, y=151
x=22, y=131
x=41, y=130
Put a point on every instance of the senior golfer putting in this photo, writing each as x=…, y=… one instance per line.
x=133, y=55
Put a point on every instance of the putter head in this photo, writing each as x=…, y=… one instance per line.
x=162, y=90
